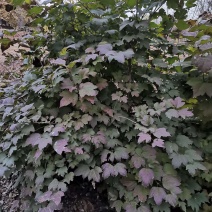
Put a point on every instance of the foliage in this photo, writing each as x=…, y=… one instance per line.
x=109, y=102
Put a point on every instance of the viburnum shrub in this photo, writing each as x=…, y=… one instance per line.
x=107, y=103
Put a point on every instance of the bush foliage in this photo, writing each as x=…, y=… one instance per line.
x=111, y=101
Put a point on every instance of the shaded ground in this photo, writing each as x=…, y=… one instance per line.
x=80, y=197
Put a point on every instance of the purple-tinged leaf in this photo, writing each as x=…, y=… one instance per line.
x=86, y=138
x=46, y=209
x=2, y=170
x=131, y=208
x=44, y=197
x=15, y=205
x=108, y=111
x=60, y=146
x=185, y=113
x=91, y=56
x=8, y=101
x=108, y=170
x=177, y=102
x=26, y=191
x=26, y=108
x=102, y=83
x=186, y=33
x=158, y=194
x=78, y=151
x=113, y=55
x=99, y=138
x=58, y=61
x=15, y=127
x=103, y=48
x=137, y=161
x=56, y=197
x=135, y=93
x=147, y=120
x=130, y=184
x=56, y=130
x=158, y=142
x=68, y=98
x=129, y=53
x=146, y=176
x=120, y=168
x=32, y=139
x=37, y=139
x=172, y=113
x=44, y=142
x=144, y=137
x=37, y=88
x=87, y=89
x=161, y=132
x=141, y=193
x=39, y=180
x=171, y=199
x=37, y=154
x=170, y=183
x=91, y=99
x=68, y=84
x=90, y=50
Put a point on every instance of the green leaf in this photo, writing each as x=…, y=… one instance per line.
x=118, y=204
x=82, y=170
x=160, y=63
x=197, y=200
x=185, y=195
x=53, y=185
x=62, y=171
x=17, y=2
x=183, y=141
x=178, y=160
x=171, y=147
x=87, y=89
x=169, y=170
x=69, y=177
x=182, y=25
x=94, y=174
x=131, y=3
x=35, y=10
x=193, y=167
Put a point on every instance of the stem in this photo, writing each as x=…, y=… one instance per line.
x=136, y=15
x=130, y=69
x=88, y=10
x=128, y=119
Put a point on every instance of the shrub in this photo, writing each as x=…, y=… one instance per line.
x=107, y=104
